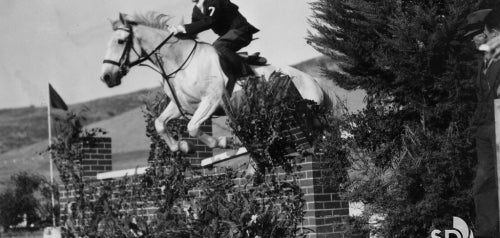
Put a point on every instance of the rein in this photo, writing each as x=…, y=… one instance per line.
x=125, y=65
x=166, y=76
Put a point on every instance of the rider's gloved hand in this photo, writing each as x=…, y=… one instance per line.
x=177, y=29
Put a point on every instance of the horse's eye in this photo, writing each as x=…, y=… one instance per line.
x=121, y=41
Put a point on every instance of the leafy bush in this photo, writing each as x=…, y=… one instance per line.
x=264, y=113
x=26, y=195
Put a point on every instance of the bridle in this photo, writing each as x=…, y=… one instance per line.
x=124, y=63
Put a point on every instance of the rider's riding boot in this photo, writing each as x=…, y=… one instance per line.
x=232, y=63
x=255, y=59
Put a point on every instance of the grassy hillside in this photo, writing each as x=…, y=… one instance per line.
x=24, y=126
x=21, y=127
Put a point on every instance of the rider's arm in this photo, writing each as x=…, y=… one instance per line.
x=204, y=21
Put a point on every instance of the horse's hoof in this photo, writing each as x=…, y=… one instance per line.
x=174, y=148
x=186, y=147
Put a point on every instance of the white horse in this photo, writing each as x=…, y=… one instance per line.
x=196, y=82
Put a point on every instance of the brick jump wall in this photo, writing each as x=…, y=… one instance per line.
x=202, y=151
x=325, y=212
x=97, y=156
x=96, y=159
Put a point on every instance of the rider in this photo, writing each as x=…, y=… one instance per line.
x=223, y=17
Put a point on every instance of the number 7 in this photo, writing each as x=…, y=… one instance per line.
x=212, y=10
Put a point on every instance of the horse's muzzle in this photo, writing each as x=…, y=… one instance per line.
x=111, y=81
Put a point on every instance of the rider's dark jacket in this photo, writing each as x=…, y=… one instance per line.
x=219, y=15
x=487, y=82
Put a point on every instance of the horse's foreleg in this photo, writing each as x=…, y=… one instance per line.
x=170, y=112
x=205, y=110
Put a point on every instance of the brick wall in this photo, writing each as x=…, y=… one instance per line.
x=202, y=151
x=326, y=213
x=68, y=195
x=296, y=133
x=97, y=156
x=298, y=124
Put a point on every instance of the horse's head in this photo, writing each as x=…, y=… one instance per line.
x=123, y=48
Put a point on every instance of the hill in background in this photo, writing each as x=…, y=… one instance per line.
x=20, y=127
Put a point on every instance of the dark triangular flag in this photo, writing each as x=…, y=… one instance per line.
x=56, y=100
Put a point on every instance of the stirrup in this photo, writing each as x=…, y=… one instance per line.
x=245, y=54
x=253, y=59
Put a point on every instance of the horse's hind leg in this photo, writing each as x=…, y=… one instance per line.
x=204, y=112
x=170, y=112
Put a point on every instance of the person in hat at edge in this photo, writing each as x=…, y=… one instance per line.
x=223, y=17
x=484, y=188
x=492, y=49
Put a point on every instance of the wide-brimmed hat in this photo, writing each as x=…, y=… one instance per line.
x=475, y=22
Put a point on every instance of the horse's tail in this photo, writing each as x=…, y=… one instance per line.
x=330, y=99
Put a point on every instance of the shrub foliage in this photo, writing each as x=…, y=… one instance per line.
x=412, y=155
x=27, y=196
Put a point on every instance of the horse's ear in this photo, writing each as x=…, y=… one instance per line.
x=126, y=20
x=122, y=18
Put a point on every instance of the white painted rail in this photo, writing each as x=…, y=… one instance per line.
x=228, y=155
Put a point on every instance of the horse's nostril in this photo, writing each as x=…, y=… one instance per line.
x=106, y=77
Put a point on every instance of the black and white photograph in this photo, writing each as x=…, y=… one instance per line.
x=249, y=119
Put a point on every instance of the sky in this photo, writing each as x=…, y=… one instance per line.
x=63, y=42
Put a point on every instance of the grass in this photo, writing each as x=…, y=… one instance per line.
x=20, y=127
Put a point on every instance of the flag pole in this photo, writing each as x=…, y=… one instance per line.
x=49, y=119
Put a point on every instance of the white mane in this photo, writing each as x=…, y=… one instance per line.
x=151, y=19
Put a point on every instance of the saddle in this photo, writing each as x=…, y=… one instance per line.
x=237, y=66
x=236, y=71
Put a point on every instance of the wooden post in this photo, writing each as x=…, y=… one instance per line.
x=497, y=139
